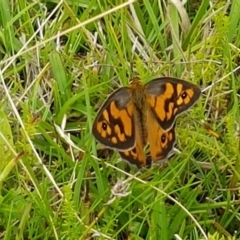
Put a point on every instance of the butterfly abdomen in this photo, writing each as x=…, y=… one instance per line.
x=140, y=117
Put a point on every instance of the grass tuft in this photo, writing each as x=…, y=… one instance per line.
x=59, y=60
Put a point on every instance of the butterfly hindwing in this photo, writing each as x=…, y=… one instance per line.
x=161, y=142
x=135, y=156
x=168, y=97
x=114, y=124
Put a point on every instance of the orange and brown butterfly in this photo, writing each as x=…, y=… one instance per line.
x=139, y=114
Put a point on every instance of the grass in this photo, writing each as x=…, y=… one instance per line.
x=58, y=63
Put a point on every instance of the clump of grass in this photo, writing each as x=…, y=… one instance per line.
x=58, y=64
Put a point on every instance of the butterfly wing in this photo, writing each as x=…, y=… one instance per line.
x=161, y=142
x=114, y=123
x=168, y=97
x=135, y=155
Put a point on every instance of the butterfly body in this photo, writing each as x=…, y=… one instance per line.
x=139, y=114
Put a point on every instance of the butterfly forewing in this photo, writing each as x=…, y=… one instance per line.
x=114, y=124
x=168, y=97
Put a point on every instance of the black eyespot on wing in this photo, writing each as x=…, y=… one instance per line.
x=104, y=126
x=184, y=95
x=163, y=138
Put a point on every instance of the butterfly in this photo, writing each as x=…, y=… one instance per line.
x=139, y=114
